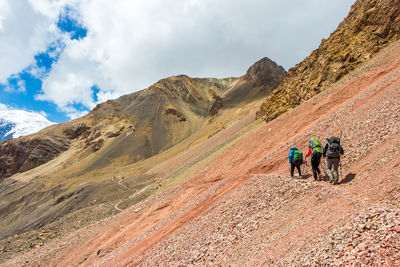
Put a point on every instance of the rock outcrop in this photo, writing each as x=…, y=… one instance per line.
x=370, y=26
x=22, y=154
x=76, y=130
x=217, y=105
x=266, y=72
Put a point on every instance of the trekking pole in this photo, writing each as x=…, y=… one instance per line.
x=340, y=163
x=306, y=166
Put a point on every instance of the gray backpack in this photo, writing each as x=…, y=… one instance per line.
x=333, y=147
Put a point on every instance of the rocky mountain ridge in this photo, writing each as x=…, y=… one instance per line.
x=101, y=160
x=265, y=217
x=370, y=26
x=232, y=169
x=138, y=125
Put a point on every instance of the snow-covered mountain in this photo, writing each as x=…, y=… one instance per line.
x=15, y=123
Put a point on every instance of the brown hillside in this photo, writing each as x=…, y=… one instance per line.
x=370, y=26
x=243, y=209
x=223, y=196
x=139, y=125
x=108, y=160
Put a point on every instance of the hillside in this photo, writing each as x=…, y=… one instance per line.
x=139, y=125
x=219, y=192
x=264, y=216
x=370, y=26
x=100, y=162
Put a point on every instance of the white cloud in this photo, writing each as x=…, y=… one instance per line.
x=21, y=86
x=74, y=114
x=3, y=107
x=131, y=44
x=25, y=31
x=36, y=71
x=18, y=87
x=68, y=89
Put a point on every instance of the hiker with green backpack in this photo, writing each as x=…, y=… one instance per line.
x=315, y=150
x=295, y=160
x=333, y=150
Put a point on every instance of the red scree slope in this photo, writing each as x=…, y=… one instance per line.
x=243, y=208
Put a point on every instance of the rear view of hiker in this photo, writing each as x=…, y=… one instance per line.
x=295, y=160
x=333, y=150
x=315, y=150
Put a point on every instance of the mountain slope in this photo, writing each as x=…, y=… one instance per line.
x=370, y=26
x=139, y=125
x=103, y=162
x=223, y=196
x=264, y=216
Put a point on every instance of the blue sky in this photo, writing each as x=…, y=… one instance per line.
x=62, y=57
x=21, y=88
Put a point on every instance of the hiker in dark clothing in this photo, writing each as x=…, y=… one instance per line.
x=315, y=150
x=294, y=160
x=333, y=150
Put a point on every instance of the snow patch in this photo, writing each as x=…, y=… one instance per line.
x=20, y=122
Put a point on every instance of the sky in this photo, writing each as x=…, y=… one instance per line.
x=59, y=58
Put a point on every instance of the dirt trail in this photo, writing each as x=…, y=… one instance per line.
x=242, y=208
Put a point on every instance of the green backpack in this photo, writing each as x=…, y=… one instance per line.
x=316, y=149
x=298, y=157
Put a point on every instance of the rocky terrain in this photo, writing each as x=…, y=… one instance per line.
x=99, y=162
x=372, y=238
x=247, y=210
x=137, y=126
x=22, y=154
x=219, y=191
x=258, y=71
x=370, y=26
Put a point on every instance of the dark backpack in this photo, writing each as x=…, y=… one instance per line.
x=334, y=140
x=298, y=157
x=333, y=147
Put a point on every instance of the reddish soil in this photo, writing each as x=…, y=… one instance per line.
x=244, y=209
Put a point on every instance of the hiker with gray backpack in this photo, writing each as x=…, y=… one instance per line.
x=333, y=150
x=315, y=150
x=295, y=160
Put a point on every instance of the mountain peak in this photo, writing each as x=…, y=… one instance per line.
x=266, y=72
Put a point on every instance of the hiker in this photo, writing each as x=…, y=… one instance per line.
x=295, y=160
x=315, y=150
x=333, y=150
